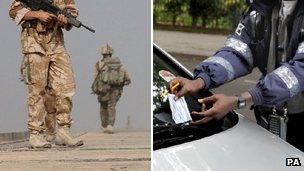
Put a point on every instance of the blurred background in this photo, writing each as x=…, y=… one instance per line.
x=200, y=15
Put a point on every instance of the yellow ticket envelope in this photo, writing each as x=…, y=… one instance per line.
x=179, y=108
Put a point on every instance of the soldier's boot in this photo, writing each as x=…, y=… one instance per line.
x=103, y=129
x=64, y=137
x=50, y=137
x=38, y=141
x=109, y=129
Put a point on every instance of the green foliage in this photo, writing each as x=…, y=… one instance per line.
x=201, y=9
x=205, y=13
x=174, y=7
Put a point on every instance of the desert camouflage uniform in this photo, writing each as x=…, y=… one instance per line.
x=46, y=69
x=109, y=100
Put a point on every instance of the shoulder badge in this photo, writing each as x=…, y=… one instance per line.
x=239, y=29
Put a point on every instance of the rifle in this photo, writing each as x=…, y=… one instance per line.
x=47, y=6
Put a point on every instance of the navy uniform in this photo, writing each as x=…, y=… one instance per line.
x=273, y=42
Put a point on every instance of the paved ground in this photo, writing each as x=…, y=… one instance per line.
x=188, y=43
x=124, y=151
x=191, y=48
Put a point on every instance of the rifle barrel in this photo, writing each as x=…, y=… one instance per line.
x=88, y=28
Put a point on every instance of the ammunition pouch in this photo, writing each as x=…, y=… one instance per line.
x=40, y=27
x=26, y=71
x=29, y=24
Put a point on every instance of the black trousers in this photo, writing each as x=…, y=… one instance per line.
x=295, y=130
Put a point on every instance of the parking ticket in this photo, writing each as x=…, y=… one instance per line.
x=179, y=108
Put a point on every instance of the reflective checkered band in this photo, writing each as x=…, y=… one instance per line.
x=224, y=63
x=240, y=47
x=289, y=79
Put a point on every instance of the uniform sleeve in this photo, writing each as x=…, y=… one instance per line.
x=281, y=84
x=17, y=12
x=72, y=7
x=127, y=78
x=233, y=60
x=96, y=69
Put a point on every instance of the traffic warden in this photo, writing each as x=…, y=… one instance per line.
x=109, y=79
x=46, y=69
x=270, y=36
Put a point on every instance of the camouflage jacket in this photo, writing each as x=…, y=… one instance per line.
x=37, y=40
x=99, y=65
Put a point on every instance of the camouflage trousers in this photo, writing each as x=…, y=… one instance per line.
x=51, y=85
x=108, y=107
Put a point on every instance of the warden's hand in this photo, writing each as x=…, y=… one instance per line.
x=186, y=86
x=222, y=105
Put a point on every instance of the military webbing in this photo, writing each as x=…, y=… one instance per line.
x=54, y=33
x=44, y=42
x=99, y=72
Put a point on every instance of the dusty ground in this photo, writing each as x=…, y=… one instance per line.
x=122, y=151
x=192, y=48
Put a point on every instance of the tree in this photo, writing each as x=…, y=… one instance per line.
x=201, y=9
x=174, y=7
x=234, y=9
x=155, y=12
x=194, y=11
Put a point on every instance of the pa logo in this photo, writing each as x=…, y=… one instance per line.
x=293, y=162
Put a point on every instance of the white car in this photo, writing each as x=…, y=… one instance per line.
x=232, y=144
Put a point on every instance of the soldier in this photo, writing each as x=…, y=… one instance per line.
x=110, y=78
x=46, y=69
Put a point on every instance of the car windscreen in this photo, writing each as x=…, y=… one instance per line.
x=165, y=132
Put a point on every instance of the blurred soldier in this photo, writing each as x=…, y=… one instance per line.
x=110, y=78
x=47, y=71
